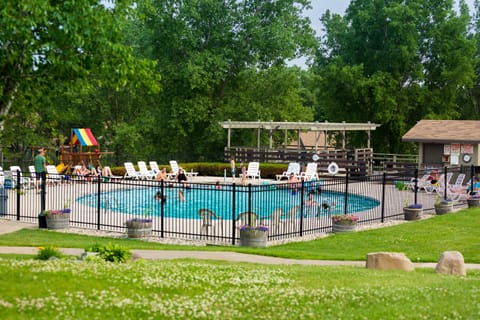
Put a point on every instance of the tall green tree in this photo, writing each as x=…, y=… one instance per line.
x=55, y=54
x=394, y=62
x=204, y=48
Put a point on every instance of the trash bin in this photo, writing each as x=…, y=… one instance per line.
x=3, y=201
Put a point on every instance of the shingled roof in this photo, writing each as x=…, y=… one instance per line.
x=444, y=131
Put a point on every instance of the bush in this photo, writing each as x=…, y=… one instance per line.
x=111, y=252
x=45, y=253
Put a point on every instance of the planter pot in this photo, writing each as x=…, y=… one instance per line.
x=139, y=229
x=42, y=221
x=443, y=208
x=412, y=213
x=253, y=238
x=58, y=221
x=343, y=227
x=473, y=202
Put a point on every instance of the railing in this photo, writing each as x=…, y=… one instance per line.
x=106, y=205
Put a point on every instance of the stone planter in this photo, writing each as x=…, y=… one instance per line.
x=474, y=202
x=443, y=208
x=412, y=213
x=253, y=238
x=343, y=227
x=139, y=228
x=58, y=220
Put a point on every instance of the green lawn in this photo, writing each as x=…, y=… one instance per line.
x=193, y=289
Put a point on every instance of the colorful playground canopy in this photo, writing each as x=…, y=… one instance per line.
x=83, y=137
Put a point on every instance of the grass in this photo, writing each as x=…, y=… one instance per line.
x=421, y=241
x=193, y=289
x=186, y=289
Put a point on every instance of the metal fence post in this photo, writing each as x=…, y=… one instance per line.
x=384, y=186
x=302, y=197
x=233, y=213
x=98, y=201
x=162, y=207
x=18, y=188
x=416, y=186
x=345, y=207
x=445, y=172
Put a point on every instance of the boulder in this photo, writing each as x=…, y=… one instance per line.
x=389, y=261
x=451, y=262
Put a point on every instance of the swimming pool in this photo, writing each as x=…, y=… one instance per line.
x=262, y=201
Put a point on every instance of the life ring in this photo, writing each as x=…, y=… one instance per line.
x=333, y=168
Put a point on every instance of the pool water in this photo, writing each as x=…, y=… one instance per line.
x=142, y=202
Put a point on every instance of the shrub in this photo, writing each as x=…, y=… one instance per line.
x=111, y=252
x=45, y=253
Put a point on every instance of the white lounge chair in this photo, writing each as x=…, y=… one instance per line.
x=154, y=167
x=310, y=172
x=144, y=172
x=253, y=171
x=53, y=177
x=175, y=167
x=130, y=172
x=25, y=182
x=458, y=182
x=210, y=220
x=293, y=167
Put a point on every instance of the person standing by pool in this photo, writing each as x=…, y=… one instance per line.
x=40, y=163
x=232, y=168
x=182, y=178
x=244, y=174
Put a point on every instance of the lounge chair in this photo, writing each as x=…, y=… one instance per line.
x=175, y=167
x=144, y=172
x=53, y=177
x=458, y=182
x=274, y=220
x=253, y=171
x=310, y=172
x=247, y=219
x=290, y=218
x=293, y=167
x=210, y=220
x=154, y=167
x=131, y=173
x=25, y=182
x=420, y=183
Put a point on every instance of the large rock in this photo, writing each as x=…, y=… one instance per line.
x=389, y=261
x=451, y=262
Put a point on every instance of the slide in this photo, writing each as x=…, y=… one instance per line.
x=61, y=167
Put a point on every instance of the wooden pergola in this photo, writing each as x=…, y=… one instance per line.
x=317, y=127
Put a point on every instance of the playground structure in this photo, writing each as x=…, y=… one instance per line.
x=81, y=146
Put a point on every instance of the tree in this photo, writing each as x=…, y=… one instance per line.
x=204, y=49
x=45, y=41
x=393, y=62
x=52, y=52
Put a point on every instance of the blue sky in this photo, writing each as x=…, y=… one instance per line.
x=337, y=6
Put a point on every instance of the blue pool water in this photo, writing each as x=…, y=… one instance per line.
x=141, y=201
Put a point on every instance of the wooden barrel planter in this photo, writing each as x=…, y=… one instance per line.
x=443, y=208
x=57, y=220
x=343, y=227
x=139, y=228
x=473, y=202
x=412, y=213
x=253, y=238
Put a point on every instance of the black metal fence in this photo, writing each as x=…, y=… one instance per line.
x=176, y=209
